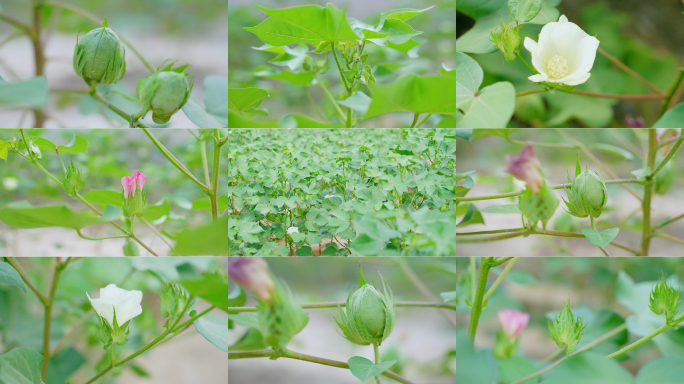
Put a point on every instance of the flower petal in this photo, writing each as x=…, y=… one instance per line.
x=531, y=46
x=563, y=19
x=586, y=55
x=576, y=80
x=537, y=78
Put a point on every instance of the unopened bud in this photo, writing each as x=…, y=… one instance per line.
x=507, y=39
x=100, y=58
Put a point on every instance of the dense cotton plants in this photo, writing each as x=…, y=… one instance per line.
x=590, y=343
x=344, y=44
x=587, y=193
x=97, y=315
x=342, y=192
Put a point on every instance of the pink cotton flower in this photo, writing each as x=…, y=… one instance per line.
x=525, y=166
x=130, y=183
x=513, y=322
x=428, y=161
x=408, y=189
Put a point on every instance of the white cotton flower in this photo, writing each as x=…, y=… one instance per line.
x=112, y=298
x=10, y=183
x=564, y=53
x=292, y=230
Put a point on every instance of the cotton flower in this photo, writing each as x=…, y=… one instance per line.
x=134, y=194
x=564, y=53
x=292, y=230
x=112, y=298
x=130, y=183
x=525, y=167
x=252, y=273
x=513, y=322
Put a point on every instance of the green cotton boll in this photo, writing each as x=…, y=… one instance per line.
x=164, y=92
x=587, y=195
x=368, y=303
x=100, y=58
x=507, y=39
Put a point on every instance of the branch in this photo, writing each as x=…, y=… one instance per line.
x=95, y=95
x=273, y=354
x=335, y=304
x=629, y=70
x=16, y=23
x=43, y=299
x=423, y=288
x=646, y=338
x=672, y=91
x=658, y=96
x=531, y=92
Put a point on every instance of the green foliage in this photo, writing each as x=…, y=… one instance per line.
x=31, y=93
x=600, y=239
x=8, y=275
x=364, y=369
x=214, y=329
x=21, y=366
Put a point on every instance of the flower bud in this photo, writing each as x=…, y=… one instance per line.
x=369, y=316
x=525, y=167
x=164, y=92
x=587, y=195
x=540, y=206
x=281, y=317
x=100, y=58
x=73, y=180
x=566, y=330
x=252, y=273
x=664, y=299
x=172, y=300
x=507, y=39
x=512, y=323
x=134, y=195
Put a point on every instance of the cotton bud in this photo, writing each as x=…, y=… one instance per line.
x=281, y=317
x=164, y=92
x=100, y=58
x=73, y=180
x=566, y=331
x=134, y=195
x=172, y=300
x=369, y=316
x=664, y=299
x=507, y=39
x=512, y=323
x=252, y=273
x=525, y=167
x=587, y=195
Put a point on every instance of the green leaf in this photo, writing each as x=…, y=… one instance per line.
x=307, y=24
x=468, y=79
x=31, y=93
x=600, y=239
x=477, y=9
x=673, y=118
x=362, y=281
x=251, y=321
x=76, y=145
x=241, y=99
x=294, y=120
x=292, y=58
x=514, y=368
x=21, y=366
x=665, y=370
x=614, y=150
x=47, y=216
x=215, y=90
x=492, y=108
x=448, y=296
x=588, y=368
x=62, y=365
x=358, y=102
x=400, y=32
x=364, y=369
x=215, y=329
x=520, y=277
x=402, y=14
x=209, y=239
x=237, y=297
x=471, y=215
x=639, y=173
x=301, y=78
x=429, y=94
x=252, y=340
x=212, y=287
x=4, y=147
x=196, y=112
x=524, y=10
x=504, y=208
x=8, y=275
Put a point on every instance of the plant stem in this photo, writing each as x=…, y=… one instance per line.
x=48, y=317
x=335, y=304
x=666, y=236
x=532, y=70
x=43, y=299
x=629, y=70
x=205, y=163
x=648, y=193
x=100, y=238
x=557, y=186
x=646, y=338
x=418, y=283
x=17, y=24
x=318, y=111
x=330, y=96
x=672, y=91
x=273, y=354
x=176, y=162
x=476, y=310
x=531, y=92
x=415, y=119
x=377, y=360
x=668, y=157
x=99, y=22
x=214, y=182
x=39, y=56
x=111, y=352
x=149, y=345
x=593, y=225
x=499, y=279
x=97, y=96
x=658, y=96
x=344, y=80
x=423, y=120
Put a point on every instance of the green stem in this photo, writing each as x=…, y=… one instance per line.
x=646, y=338
x=672, y=91
x=415, y=119
x=176, y=162
x=377, y=360
x=95, y=95
x=215, y=179
x=548, y=145
x=476, y=310
x=499, y=279
x=100, y=238
x=424, y=120
x=668, y=157
x=668, y=237
x=330, y=96
x=43, y=299
x=532, y=92
x=629, y=70
x=205, y=163
x=648, y=192
x=48, y=318
x=335, y=304
x=344, y=80
x=593, y=225
x=614, y=96
x=318, y=111
x=111, y=350
x=532, y=70
x=273, y=354
x=17, y=24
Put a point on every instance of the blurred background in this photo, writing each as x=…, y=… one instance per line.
x=541, y=287
x=186, y=31
x=111, y=155
x=181, y=360
x=438, y=47
x=620, y=151
x=638, y=33
x=423, y=341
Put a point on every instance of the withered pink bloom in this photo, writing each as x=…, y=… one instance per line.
x=252, y=273
x=513, y=322
x=525, y=166
x=635, y=123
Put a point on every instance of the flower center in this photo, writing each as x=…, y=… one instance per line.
x=557, y=67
